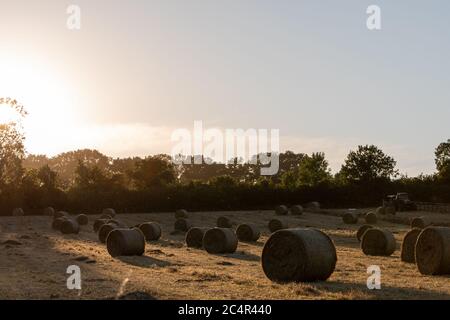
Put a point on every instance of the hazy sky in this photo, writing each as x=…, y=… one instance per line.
x=137, y=70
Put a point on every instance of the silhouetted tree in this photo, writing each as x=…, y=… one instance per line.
x=442, y=160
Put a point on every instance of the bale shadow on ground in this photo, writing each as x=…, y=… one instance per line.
x=144, y=261
x=241, y=255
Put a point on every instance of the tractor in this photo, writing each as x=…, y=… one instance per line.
x=400, y=202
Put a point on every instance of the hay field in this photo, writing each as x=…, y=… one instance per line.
x=34, y=259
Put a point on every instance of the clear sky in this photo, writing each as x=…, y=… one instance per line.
x=139, y=69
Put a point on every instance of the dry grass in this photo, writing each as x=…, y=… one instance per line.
x=36, y=269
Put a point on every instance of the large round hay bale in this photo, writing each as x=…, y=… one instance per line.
x=104, y=231
x=220, y=240
x=98, y=223
x=82, y=219
x=378, y=242
x=194, y=237
x=281, y=210
x=18, y=212
x=277, y=224
x=182, y=225
x=125, y=242
x=248, y=232
x=181, y=213
x=433, y=251
x=56, y=224
x=224, y=222
x=420, y=222
x=371, y=217
x=49, y=211
x=60, y=214
x=151, y=230
x=350, y=218
x=298, y=255
x=362, y=230
x=408, y=248
x=110, y=212
x=297, y=210
x=70, y=226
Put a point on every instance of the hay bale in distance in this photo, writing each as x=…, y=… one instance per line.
x=82, y=219
x=18, y=212
x=98, y=223
x=378, y=242
x=60, y=214
x=151, y=230
x=125, y=242
x=248, y=232
x=181, y=213
x=421, y=222
x=104, y=231
x=408, y=249
x=433, y=251
x=194, y=237
x=277, y=224
x=70, y=226
x=390, y=211
x=105, y=216
x=281, y=210
x=118, y=223
x=56, y=224
x=380, y=211
x=313, y=206
x=220, y=240
x=49, y=211
x=110, y=212
x=298, y=255
x=350, y=218
x=224, y=222
x=371, y=217
x=182, y=225
x=297, y=210
x=362, y=230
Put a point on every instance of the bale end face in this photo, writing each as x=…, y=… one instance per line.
x=378, y=242
x=151, y=230
x=433, y=251
x=408, y=249
x=110, y=212
x=69, y=226
x=362, y=230
x=281, y=210
x=420, y=222
x=182, y=225
x=371, y=218
x=220, y=240
x=125, y=242
x=56, y=224
x=104, y=231
x=350, y=218
x=49, y=211
x=248, y=232
x=277, y=224
x=194, y=237
x=297, y=210
x=98, y=223
x=224, y=222
x=82, y=219
x=181, y=213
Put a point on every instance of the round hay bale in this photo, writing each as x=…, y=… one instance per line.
x=49, y=211
x=224, y=222
x=313, y=206
x=390, y=211
x=98, y=223
x=60, y=214
x=56, y=224
x=248, y=232
x=362, y=230
x=151, y=230
x=125, y=242
x=18, y=212
x=281, y=210
x=380, y=211
x=69, y=226
x=433, y=251
x=118, y=223
x=220, y=240
x=297, y=210
x=105, y=216
x=371, y=217
x=350, y=218
x=408, y=253
x=194, y=237
x=378, y=242
x=110, y=212
x=104, y=231
x=277, y=224
x=298, y=255
x=181, y=213
x=182, y=225
x=420, y=222
x=82, y=219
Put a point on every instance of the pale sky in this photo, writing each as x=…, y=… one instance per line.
x=139, y=69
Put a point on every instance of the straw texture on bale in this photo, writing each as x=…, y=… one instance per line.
x=433, y=251
x=420, y=222
x=151, y=230
x=18, y=212
x=248, y=232
x=281, y=210
x=299, y=255
x=56, y=224
x=362, y=230
x=49, y=211
x=224, y=222
x=182, y=225
x=350, y=218
x=82, y=219
x=104, y=231
x=297, y=210
x=98, y=223
x=194, y=237
x=182, y=213
x=109, y=211
x=378, y=242
x=69, y=226
x=220, y=240
x=277, y=224
x=125, y=242
x=408, y=249
x=371, y=218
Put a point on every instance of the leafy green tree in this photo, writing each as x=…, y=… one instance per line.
x=443, y=160
x=313, y=170
x=154, y=171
